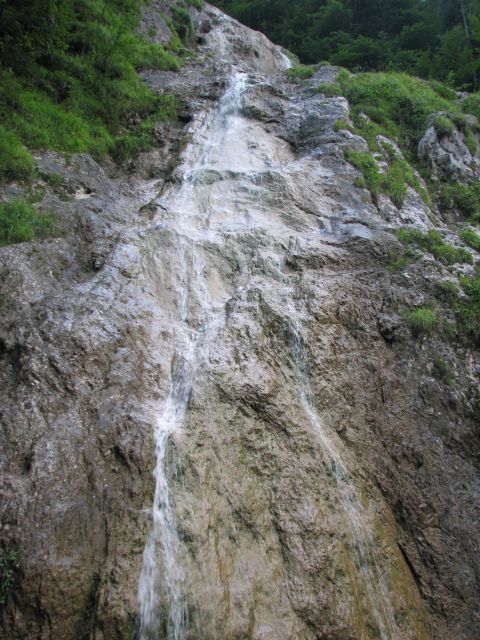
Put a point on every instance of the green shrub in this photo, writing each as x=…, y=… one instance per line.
x=182, y=22
x=422, y=320
x=468, y=312
x=441, y=370
x=330, y=90
x=471, y=238
x=198, y=4
x=20, y=222
x=7, y=573
x=443, y=126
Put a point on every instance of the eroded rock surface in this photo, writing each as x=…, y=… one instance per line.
x=321, y=481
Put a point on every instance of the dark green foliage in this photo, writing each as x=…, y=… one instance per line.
x=7, y=573
x=468, y=311
x=428, y=38
x=68, y=77
x=441, y=370
x=422, y=320
x=20, y=222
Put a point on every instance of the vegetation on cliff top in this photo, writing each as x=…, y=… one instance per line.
x=437, y=39
x=69, y=81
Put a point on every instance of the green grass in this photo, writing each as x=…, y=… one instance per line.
x=16, y=163
x=392, y=183
x=471, y=238
x=341, y=125
x=397, y=104
x=330, y=90
x=468, y=312
x=470, y=141
x=472, y=104
x=21, y=222
x=300, y=72
x=441, y=370
x=464, y=198
x=443, y=126
x=433, y=243
x=422, y=320
x=80, y=97
x=142, y=137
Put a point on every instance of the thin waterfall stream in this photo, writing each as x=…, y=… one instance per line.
x=163, y=547
x=366, y=554
x=163, y=535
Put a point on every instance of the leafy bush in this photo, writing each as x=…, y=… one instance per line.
x=441, y=370
x=422, y=320
x=470, y=141
x=472, y=104
x=20, y=222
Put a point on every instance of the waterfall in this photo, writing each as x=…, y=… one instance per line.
x=223, y=147
x=365, y=551
x=192, y=349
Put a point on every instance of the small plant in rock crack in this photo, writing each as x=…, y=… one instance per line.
x=422, y=321
x=7, y=573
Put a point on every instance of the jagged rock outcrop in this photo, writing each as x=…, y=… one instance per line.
x=224, y=312
x=449, y=154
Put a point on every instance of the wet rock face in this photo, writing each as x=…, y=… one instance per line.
x=320, y=481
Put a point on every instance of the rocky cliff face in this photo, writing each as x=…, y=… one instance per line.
x=217, y=334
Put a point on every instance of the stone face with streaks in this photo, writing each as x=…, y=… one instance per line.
x=253, y=214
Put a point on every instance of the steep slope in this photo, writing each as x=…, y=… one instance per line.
x=224, y=317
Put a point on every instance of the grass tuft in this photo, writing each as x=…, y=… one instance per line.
x=21, y=222
x=422, y=321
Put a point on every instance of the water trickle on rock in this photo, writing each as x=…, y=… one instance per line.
x=163, y=547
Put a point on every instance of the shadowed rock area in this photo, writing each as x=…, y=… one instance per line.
x=221, y=311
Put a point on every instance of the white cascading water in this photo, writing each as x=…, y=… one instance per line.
x=191, y=210
x=365, y=551
x=163, y=536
